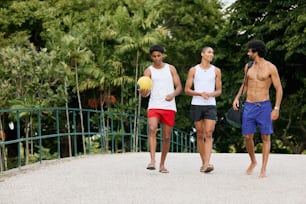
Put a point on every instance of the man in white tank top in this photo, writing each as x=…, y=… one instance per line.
x=162, y=107
x=207, y=84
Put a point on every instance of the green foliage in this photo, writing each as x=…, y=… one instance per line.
x=28, y=78
x=193, y=25
x=281, y=25
x=49, y=48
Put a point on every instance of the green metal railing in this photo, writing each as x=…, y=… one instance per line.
x=37, y=134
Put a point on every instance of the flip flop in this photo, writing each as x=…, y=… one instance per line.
x=206, y=169
x=151, y=167
x=164, y=171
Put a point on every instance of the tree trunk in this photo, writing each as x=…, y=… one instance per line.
x=104, y=129
x=80, y=105
x=135, y=137
x=68, y=119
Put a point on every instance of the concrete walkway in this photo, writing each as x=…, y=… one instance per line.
x=123, y=178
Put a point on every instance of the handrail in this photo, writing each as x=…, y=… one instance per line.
x=43, y=133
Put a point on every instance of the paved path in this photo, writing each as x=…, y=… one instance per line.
x=122, y=178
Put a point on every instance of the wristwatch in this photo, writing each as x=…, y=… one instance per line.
x=276, y=108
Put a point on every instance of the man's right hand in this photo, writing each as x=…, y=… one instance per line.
x=235, y=104
x=144, y=93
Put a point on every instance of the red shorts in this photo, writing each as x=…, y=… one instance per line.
x=165, y=116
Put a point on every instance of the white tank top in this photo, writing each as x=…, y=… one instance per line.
x=204, y=80
x=162, y=85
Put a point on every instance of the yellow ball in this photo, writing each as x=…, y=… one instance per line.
x=144, y=83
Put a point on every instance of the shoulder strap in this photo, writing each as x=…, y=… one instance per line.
x=250, y=63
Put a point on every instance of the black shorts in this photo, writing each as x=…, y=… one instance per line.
x=198, y=112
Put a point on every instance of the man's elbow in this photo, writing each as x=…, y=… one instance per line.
x=219, y=92
x=188, y=91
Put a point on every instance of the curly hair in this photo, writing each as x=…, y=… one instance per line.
x=156, y=48
x=257, y=46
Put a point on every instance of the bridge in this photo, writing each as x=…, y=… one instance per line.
x=32, y=135
x=51, y=159
x=123, y=178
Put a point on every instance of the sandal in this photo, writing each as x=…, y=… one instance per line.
x=206, y=169
x=151, y=166
x=164, y=170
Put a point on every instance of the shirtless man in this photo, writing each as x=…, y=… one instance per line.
x=258, y=111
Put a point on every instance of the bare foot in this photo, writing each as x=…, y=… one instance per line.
x=251, y=168
x=262, y=174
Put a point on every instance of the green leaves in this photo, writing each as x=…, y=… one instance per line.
x=27, y=78
x=43, y=43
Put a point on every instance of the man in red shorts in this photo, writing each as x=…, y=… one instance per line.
x=162, y=107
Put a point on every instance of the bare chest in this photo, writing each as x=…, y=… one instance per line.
x=259, y=75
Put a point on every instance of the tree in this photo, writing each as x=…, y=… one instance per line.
x=141, y=31
x=193, y=25
x=25, y=77
x=101, y=47
x=268, y=21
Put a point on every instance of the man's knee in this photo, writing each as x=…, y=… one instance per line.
x=265, y=138
x=152, y=128
x=166, y=139
x=208, y=133
x=248, y=137
x=200, y=135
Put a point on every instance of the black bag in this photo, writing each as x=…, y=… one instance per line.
x=234, y=117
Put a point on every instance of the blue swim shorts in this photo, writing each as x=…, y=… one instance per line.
x=257, y=115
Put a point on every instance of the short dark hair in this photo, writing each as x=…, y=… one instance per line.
x=156, y=48
x=257, y=46
x=205, y=48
